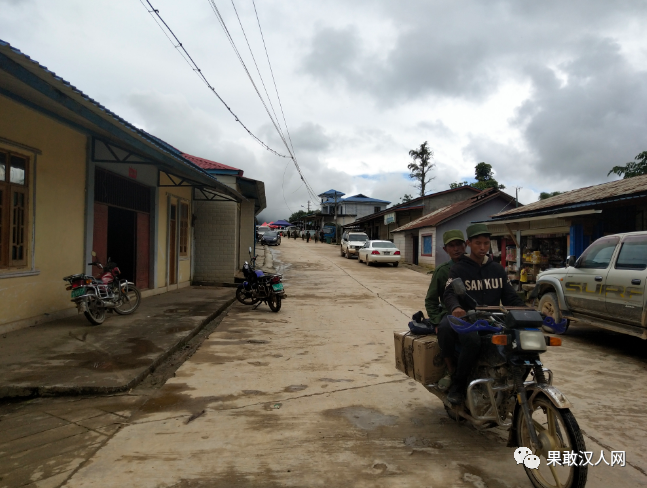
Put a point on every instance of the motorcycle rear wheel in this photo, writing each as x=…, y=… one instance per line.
x=557, y=428
x=131, y=298
x=244, y=299
x=96, y=314
x=274, y=301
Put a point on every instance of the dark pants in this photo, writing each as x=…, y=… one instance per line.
x=470, y=347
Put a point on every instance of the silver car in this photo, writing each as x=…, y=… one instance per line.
x=352, y=242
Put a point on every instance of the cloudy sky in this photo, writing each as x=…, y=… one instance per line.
x=551, y=94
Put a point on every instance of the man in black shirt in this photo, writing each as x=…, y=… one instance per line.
x=487, y=283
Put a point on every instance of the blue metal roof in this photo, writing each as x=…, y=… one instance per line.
x=359, y=198
x=331, y=192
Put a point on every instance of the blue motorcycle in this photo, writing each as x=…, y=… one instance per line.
x=259, y=287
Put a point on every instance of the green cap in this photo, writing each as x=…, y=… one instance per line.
x=477, y=230
x=453, y=235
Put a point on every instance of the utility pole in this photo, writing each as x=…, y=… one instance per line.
x=308, y=206
x=336, y=228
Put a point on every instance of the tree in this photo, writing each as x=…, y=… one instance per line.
x=297, y=215
x=406, y=198
x=458, y=185
x=485, y=177
x=631, y=169
x=546, y=194
x=421, y=166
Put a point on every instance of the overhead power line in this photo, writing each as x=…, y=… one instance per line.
x=172, y=37
x=276, y=123
x=187, y=57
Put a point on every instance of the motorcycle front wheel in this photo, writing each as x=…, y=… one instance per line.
x=96, y=314
x=557, y=430
x=130, y=300
x=242, y=297
x=274, y=301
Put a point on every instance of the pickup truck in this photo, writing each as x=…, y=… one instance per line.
x=604, y=287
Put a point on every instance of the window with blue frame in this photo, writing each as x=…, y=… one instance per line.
x=427, y=249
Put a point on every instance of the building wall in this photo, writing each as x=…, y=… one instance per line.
x=56, y=215
x=428, y=261
x=216, y=229
x=400, y=243
x=247, y=231
x=461, y=222
x=434, y=202
x=166, y=197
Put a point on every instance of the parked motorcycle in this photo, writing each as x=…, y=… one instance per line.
x=511, y=388
x=97, y=296
x=260, y=288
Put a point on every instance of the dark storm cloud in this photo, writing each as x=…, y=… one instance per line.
x=593, y=122
x=586, y=110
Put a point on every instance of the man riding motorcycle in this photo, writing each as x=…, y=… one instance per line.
x=487, y=283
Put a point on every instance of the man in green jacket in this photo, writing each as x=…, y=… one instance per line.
x=454, y=245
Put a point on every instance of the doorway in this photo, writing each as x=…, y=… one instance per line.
x=415, y=249
x=121, y=240
x=172, y=274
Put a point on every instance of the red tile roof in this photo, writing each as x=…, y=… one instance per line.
x=206, y=164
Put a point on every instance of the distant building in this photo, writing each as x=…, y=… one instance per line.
x=381, y=224
x=420, y=241
x=348, y=209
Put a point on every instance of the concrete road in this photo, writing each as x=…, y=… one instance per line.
x=310, y=397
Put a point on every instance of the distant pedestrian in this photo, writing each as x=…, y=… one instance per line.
x=321, y=235
x=316, y=236
x=308, y=236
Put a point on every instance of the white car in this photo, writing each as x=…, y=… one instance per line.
x=379, y=252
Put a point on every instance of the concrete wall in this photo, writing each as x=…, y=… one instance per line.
x=56, y=218
x=216, y=241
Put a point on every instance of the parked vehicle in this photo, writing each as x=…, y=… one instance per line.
x=97, y=296
x=379, y=252
x=511, y=388
x=605, y=287
x=351, y=243
x=260, y=230
x=271, y=238
x=260, y=288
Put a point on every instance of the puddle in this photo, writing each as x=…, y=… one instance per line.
x=99, y=360
x=175, y=397
x=295, y=388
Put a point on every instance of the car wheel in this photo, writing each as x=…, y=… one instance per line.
x=341, y=250
x=395, y=265
x=548, y=305
x=367, y=263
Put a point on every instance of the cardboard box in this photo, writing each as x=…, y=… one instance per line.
x=418, y=356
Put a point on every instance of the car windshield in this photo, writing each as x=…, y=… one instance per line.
x=357, y=237
x=270, y=234
x=384, y=245
x=263, y=229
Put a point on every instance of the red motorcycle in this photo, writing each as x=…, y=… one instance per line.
x=97, y=296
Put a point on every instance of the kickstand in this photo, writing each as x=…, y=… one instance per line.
x=256, y=306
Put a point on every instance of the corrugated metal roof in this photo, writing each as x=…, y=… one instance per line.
x=207, y=164
x=583, y=196
x=414, y=203
x=65, y=87
x=445, y=213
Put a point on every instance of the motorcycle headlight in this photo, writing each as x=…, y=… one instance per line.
x=532, y=340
